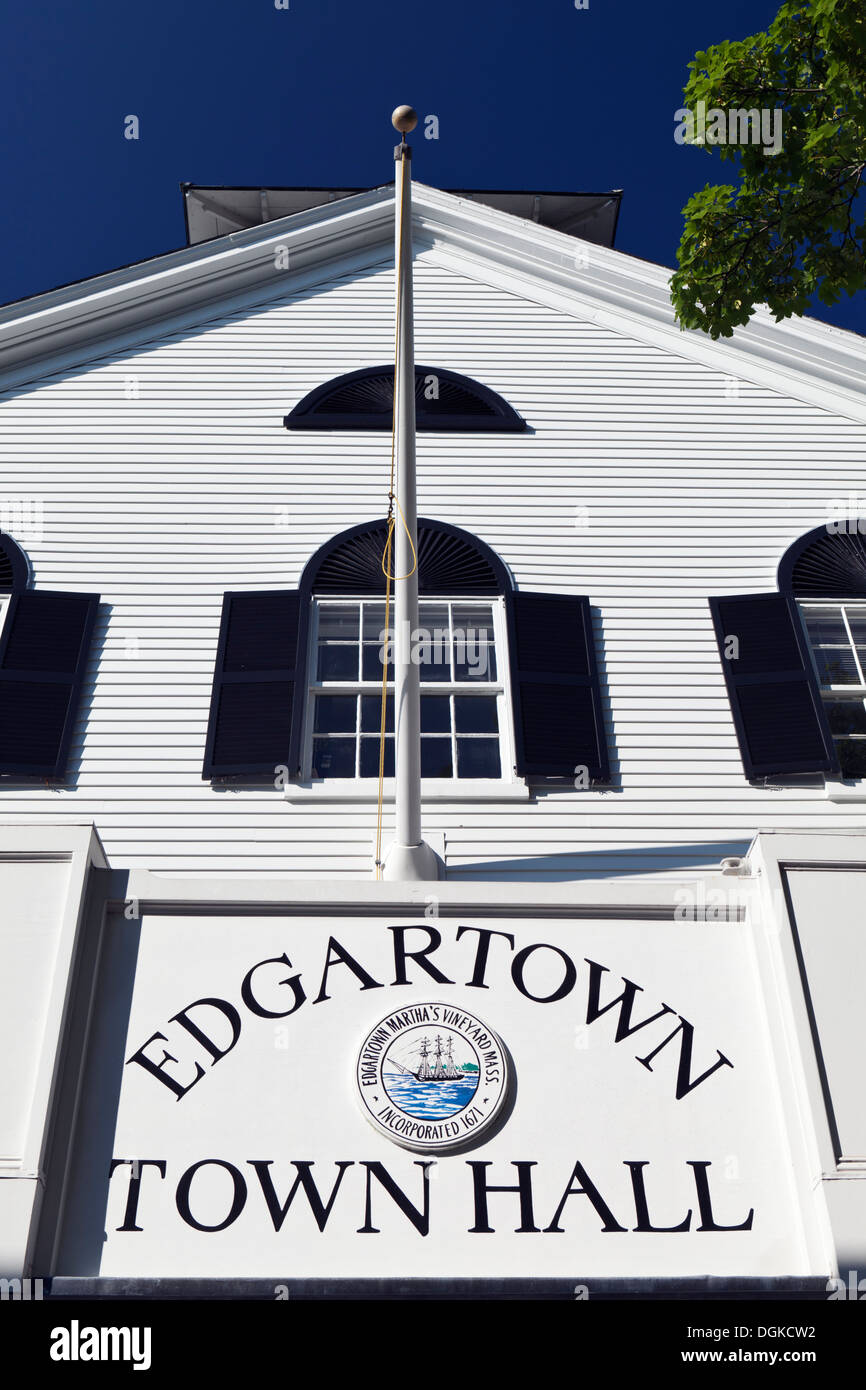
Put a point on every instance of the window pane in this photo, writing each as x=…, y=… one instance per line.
x=433, y=615
x=846, y=716
x=474, y=661
x=370, y=757
x=334, y=714
x=372, y=667
x=435, y=714
x=333, y=757
x=431, y=649
x=473, y=619
x=826, y=625
x=338, y=620
x=371, y=714
x=337, y=663
x=857, y=623
x=475, y=714
x=432, y=671
x=374, y=621
x=835, y=666
x=852, y=756
x=436, y=757
x=478, y=757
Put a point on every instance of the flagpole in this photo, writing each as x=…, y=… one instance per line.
x=409, y=856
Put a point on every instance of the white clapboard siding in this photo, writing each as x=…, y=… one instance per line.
x=163, y=476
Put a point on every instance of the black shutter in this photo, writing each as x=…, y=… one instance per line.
x=43, y=656
x=558, y=720
x=778, y=714
x=258, y=685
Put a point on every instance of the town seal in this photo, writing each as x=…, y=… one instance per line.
x=432, y=1077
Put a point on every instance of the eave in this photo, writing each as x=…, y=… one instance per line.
x=66, y=327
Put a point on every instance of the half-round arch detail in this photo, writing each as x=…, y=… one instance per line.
x=364, y=400
x=828, y=562
x=14, y=570
x=450, y=561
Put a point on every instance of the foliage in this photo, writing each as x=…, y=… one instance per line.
x=796, y=224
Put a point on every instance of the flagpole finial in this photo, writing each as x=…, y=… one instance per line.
x=404, y=119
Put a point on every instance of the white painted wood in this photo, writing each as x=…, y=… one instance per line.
x=44, y=872
x=833, y=947
x=788, y=869
x=165, y=477
x=33, y=896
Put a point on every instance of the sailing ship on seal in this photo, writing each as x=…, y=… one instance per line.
x=443, y=1067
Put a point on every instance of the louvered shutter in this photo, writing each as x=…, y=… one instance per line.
x=778, y=714
x=364, y=400
x=258, y=686
x=559, y=726
x=43, y=657
x=13, y=566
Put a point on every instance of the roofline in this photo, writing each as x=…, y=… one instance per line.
x=183, y=188
x=86, y=279
x=612, y=194
x=59, y=329
x=302, y=188
x=458, y=192
x=175, y=250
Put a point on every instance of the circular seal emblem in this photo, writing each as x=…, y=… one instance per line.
x=431, y=1076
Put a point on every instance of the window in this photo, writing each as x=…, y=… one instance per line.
x=444, y=401
x=463, y=695
x=794, y=661
x=837, y=635
x=509, y=681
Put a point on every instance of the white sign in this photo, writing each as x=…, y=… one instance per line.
x=221, y=1131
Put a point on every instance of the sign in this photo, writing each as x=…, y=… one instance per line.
x=243, y=1110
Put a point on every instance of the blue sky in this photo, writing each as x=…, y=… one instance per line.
x=528, y=95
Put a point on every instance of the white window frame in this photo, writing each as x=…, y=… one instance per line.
x=841, y=788
x=508, y=786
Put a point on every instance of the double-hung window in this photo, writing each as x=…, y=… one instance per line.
x=510, y=688
x=837, y=636
x=459, y=648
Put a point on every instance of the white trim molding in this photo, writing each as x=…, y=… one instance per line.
x=49, y=332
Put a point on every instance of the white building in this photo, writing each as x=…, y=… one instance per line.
x=644, y=747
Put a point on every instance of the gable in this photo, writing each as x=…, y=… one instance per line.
x=179, y=291
x=186, y=435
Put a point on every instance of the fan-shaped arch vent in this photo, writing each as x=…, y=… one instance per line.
x=364, y=400
x=13, y=565
x=449, y=562
x=830, y=562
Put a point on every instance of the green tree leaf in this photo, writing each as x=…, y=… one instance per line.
x=795, y=224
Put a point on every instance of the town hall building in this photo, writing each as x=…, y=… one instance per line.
x=614, y=1045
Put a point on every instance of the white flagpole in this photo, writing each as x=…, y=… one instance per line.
x=409, y=856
